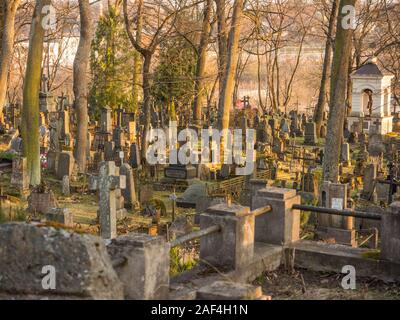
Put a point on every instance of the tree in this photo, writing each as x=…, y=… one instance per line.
x=319, y=109
x=110, y=55
x=80, y=85
x=9, y=10
x=226, y=94
x=337, y=109
x=137, y=64
x=30, y=106
x=201, y=62
x=174, y=75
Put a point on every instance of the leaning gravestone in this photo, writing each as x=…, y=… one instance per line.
x=80, y=264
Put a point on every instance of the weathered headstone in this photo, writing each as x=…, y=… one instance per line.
x=65, y=164
x=106, y=183
x=60, y=215
x=345, y=154
x=310, y=134
x=19, y=175
x=130, y=191
x=65, y=187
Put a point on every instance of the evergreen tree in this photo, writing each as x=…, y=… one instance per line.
x=110, y=61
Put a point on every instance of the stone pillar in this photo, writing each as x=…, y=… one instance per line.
x=233, y=246
x=390, y=231
x=280, y=226
x=142, y=264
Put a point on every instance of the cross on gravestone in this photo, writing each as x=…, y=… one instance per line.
x=106, y=183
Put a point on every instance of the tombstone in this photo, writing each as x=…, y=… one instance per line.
x=60, y=215
x=109, y=151
x=41, y=201
x=119, y=204
x=376, y=145
x=64, y=124
x=132, y=131
x=284, y=127
x=334, y=195
x=118, y=138
x=310, y=134
x=225, y=171
x=278, y=146
x=203, y=172
x=65, y=164
x=129, y=192
x=106, y=183
x=345, y=154
x=179, y=171
x=106, y=120
x=145, y=193
x=65, y=187
x=309, y=183
x=19, y=175
x=370, y=173
x=134, y=156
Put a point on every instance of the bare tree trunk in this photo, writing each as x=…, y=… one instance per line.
x=30, y=107
x=137, y=59
x=7, y=45
x=201, y=63
x=225, y=101
x=319, y=109
x=146, y=104
x=80, y=85
x=222, y=41
x=339, y=78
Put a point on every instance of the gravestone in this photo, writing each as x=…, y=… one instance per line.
x=106, y=183
x=345, y=154
x=109, y=150
x=309, y=183
x=60, y=215
x=134, y=155
x=106, y=120
x=370, y=173
x=41, y=201
x=179, y=171
x=310, y=134
x=19, y=175
x=129, y=192
x=65, y=187
x=341, y=229
x=132, y=131
x=64, y=124
x=65, y=164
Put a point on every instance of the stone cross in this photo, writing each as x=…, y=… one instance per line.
x=106, y=183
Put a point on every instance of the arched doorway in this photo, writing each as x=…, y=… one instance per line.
x=367, y=102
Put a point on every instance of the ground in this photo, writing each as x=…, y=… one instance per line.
x=304, y=284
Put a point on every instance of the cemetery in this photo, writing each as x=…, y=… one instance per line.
x=130, y=196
